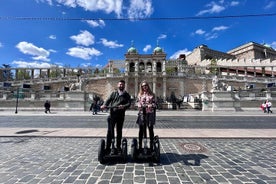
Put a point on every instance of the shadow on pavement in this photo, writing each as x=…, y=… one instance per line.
x=193, y=159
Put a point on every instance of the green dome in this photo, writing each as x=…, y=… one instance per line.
x=158, y=50
x=132, y=50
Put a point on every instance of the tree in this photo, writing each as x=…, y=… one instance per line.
x=23, y=74
x=213, y=67
x=7, y=73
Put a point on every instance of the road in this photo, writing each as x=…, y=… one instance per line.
x=162, y=122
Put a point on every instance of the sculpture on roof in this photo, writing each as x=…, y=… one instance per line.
x=76, y=86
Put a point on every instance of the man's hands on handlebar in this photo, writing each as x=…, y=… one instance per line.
x=117, y=107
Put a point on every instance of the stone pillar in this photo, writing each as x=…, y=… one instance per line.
x=136, y=68
x=154, y=85
x=136, y=87
x=32, y=73
x=126, y=86
x=181, y=87
x=154, y=68
x=48, y=73
x=16, y=74
x=164, y=88
x=40, y=72
x=164, y=68
x=126, y=68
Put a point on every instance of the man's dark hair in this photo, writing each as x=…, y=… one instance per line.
x=122, y=81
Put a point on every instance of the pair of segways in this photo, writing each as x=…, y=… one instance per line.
x=143, y=154
x=150, y=153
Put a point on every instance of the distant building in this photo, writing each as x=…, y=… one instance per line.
x=247, y=51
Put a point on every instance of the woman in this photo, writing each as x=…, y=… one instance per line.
x=146, y=115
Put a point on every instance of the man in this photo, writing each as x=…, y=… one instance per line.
x=118, y=101
x=47, y=106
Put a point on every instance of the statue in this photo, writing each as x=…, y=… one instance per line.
x=77, y=86
x=215, y=83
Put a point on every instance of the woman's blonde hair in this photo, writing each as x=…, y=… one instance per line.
x=141, y=89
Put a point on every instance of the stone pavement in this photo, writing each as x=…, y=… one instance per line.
x=200, y=158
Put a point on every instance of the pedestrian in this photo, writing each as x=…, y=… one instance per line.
x=268, y=106
x=47, y=106
x=263, y=106
x=118, y=102
x=147, y=113
x=94, y=107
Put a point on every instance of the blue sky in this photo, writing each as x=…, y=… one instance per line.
x=29, y=39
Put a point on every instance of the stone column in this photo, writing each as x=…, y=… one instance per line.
x=136, y=68
x=126, y=86
x=154, y=68
x=136, y=87
x=48, y=73
x=181, y=87
x=164, y=68
x=164, y=88
x=154, y=85
x=16, y=74
x=32, y=73
x=126, y=68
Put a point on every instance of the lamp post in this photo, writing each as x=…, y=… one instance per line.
x=17, y=96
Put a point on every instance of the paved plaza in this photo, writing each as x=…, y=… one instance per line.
x=33, y=158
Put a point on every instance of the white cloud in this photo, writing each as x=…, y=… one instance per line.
x=210, y=36
x=38, y=53
x=234, y=3
x=199, y=32
x=273, y=45
x=110, y=44
x=32, y=64
x=162, y=36
x=177, y=53
x=53, y=37
x=107, y=6
x=1, y=45
x=50, y=2
x=70, y=3
x=140, y=9
x=136, y=9
x=146, y=48
x=83, y=52
x=270, y=5
x=84, y=38
x=212, y=8
x=220, y=28
x=94, y=23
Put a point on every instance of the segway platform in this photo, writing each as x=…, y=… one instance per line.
x=145, y=153
x=114, y=154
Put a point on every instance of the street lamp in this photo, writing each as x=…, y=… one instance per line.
x=17, y=96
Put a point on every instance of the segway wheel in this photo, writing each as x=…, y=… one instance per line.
x=134, y=149
x=156, y=147
x=124, y=150
x=101, y=152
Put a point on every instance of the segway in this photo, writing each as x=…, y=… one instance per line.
x=114, y=154
x=145, y=153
